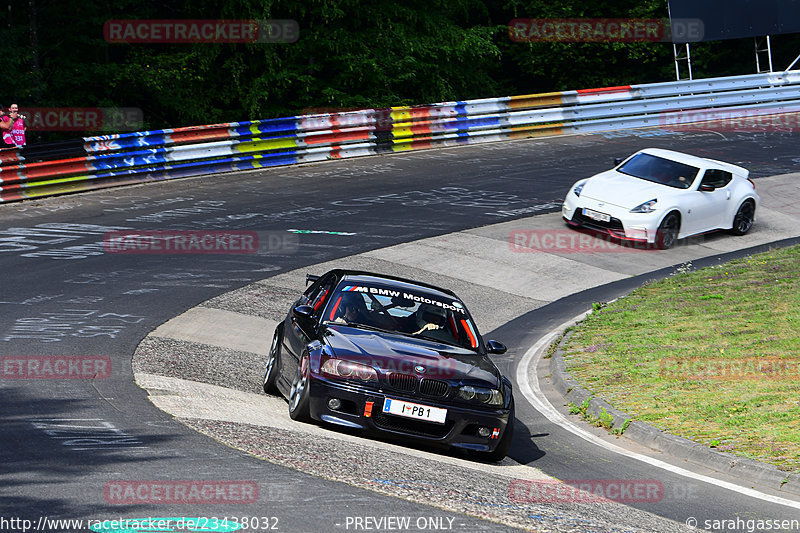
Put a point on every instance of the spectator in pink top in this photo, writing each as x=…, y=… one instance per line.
x=6, y=125
x=18, y=126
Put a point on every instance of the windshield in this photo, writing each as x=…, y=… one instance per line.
x=403, y=312
x=659, y=170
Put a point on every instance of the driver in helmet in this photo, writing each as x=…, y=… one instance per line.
x=352, y=309
x=430, y=317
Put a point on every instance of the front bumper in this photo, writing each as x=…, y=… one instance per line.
x=460, y=429
x=640, y=227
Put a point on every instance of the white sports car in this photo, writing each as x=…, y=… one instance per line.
x=658, y=196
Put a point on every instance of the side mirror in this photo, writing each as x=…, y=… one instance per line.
x=617, y=161
x=303, y=312
x=496, y=347
x=303, y=315
x=704, y=187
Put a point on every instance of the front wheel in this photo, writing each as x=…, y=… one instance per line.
x=667, y=232
x=298, y=396
x=743, y=220
x=271, y=371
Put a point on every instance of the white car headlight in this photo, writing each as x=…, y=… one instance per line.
x=647, y=207
x=578, y=188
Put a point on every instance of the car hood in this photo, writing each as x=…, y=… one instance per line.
x=388, y=352
x=624, y=191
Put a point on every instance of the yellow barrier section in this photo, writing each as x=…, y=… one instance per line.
x=536, y=100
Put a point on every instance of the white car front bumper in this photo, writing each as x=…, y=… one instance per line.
x=621, y=223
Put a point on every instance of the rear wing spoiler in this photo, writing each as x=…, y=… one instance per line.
x=311, y=278
x=733, y=169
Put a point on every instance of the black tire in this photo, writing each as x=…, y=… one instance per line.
x=505, y=442
x=667, y=232
x=299, y=394
x=273, y=358
x=743, y=220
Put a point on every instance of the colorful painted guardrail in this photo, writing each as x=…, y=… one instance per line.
x=113, y=160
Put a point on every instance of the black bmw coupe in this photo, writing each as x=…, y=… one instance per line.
x=394, y=357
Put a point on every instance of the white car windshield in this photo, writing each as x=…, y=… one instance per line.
x=659, y=170
x=403, y=312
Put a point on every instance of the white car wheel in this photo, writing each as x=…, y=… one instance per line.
x=743, y=220
x=667, y=232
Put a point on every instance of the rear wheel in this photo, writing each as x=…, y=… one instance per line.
x=667, y=232
x=271, y=371
x=298, y=396
x=505, y=442
x=743, y=220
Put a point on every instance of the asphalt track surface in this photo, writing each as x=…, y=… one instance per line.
x=65, y=441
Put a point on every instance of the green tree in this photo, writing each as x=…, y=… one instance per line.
x=350, y=54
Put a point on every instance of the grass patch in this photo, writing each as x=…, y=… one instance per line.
x=604, y=420
x=554, y=345
x=712, y=355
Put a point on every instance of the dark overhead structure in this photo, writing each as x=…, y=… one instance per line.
x=695, y=21
x=736, y=19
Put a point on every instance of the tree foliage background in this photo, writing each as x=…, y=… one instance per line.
x=350, y=54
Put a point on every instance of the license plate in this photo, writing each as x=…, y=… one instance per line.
x=414, y=410
x=596, y=215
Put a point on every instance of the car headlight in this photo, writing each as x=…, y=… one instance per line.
x=647, y=207
x=347, y=369
x=578, y=188
x=480, y=395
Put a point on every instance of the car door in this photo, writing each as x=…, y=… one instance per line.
x=707, y=201
x=299, y=332
x=718, y=200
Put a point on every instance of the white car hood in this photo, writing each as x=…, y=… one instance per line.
x=624, y=191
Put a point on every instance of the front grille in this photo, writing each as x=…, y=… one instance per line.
x=412, y=427
x=404, y=382
x=613, y=224
x=433, y=387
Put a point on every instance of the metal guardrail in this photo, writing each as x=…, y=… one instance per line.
x=112, y=160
